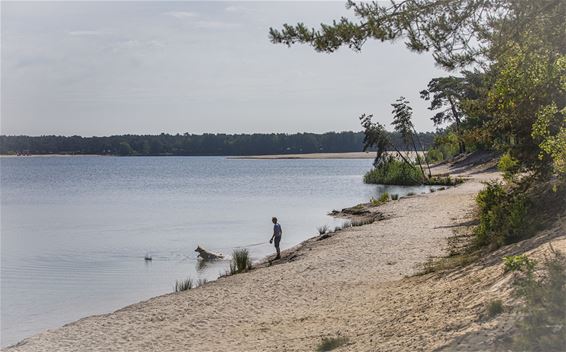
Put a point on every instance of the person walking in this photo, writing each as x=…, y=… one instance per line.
x=277, y=232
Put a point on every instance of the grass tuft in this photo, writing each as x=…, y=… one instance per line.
x=330, y=343
x=241, y=261
x=363, y=221
x=494, y=307
x=322, y=229
x=183, y=285
x=383, y=198
x=394, y=197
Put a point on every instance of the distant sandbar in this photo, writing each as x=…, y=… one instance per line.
x=352, y=155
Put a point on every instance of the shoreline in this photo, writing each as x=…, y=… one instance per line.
x=309, y=156
x=344, y=155
x=50, y=155
x=355, y=283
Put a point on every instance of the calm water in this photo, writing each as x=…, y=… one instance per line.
x=74, y=230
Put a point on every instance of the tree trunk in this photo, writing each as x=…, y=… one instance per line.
x=461, y=145
x=404, y=159
x=422, y=148
x=418, y=157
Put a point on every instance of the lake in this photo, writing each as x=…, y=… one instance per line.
x=75, y=230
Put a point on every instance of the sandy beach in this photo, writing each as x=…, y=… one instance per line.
x=359, y=283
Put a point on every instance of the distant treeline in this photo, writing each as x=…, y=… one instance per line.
x=191, y=144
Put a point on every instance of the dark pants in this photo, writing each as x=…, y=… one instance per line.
x=277, y=239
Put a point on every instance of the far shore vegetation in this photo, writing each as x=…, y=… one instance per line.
x=195, y=145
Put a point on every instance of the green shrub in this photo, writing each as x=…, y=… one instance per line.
x=502, y=216
x=330, y=343
x=397, y=172
x=443, y=181
x=518, y=263
x=394, y=197
x=394, y=172
x=543, y=323
x=494, y=308
x=508, y=165
x=384, y=198
x=434, y=155
x=445, y=147
x=241, y=261
x=183, y=285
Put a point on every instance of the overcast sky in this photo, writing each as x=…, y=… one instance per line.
x=102, y=68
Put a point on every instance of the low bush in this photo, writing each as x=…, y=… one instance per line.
x=443, y=181
x=494, y=307
x=543, y=323
x=330, y=343
x=518, y=263
x=508, y=165
x=394, y=172
x=502, y=216
x=394, y=197
x=434, y=155
x=241, y=261
x=397, y=172
x=445, y=147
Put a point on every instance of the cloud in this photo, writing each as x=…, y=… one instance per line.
x=85, y=33
x=181, y=14
x=133, y=44
x=216, y=25
x=233, y=8
x=201, y=21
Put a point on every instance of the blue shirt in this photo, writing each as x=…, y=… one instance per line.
x=277, y=230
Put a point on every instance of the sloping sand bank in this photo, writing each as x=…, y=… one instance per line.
x=352, y=284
